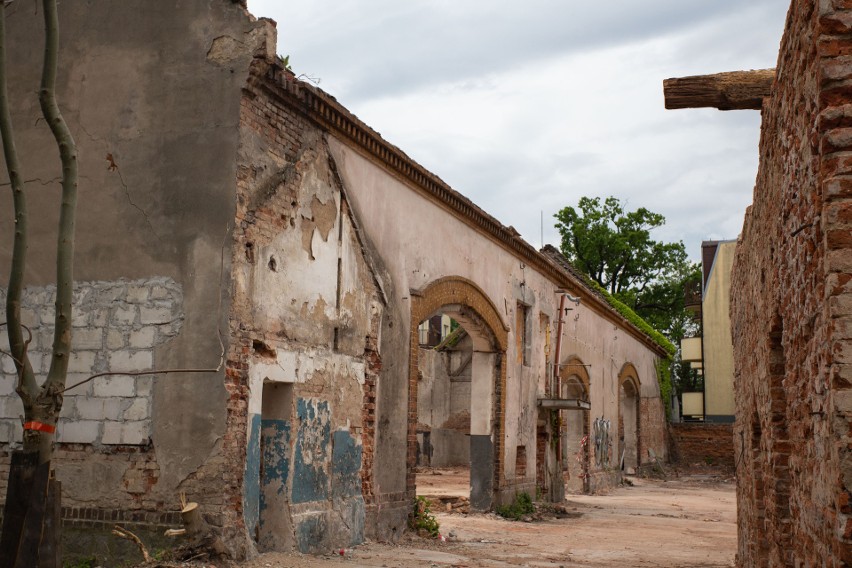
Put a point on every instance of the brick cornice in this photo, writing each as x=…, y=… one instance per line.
x=324, y=110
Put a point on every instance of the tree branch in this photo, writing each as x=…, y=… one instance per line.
x=65, y=244
x=26, y=385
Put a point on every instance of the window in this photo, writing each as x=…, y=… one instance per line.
x=522, y=333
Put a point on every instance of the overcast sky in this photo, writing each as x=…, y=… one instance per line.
x=527, y=106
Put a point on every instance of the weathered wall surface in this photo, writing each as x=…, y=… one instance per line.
x=129, y=85
x=305, y=313
x=392, y=212
x=792, y=304
x=443, y=405
x=703, y=443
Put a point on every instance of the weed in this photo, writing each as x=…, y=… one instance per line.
x=422, y=519
x=84, y=562
x=521, y=505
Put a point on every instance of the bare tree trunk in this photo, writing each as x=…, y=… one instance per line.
x=26, y=385
x=30, y=534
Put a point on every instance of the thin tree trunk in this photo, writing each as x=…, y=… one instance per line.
x=50, y=399
x=26, y=385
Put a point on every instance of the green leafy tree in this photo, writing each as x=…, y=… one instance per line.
x=614, y=247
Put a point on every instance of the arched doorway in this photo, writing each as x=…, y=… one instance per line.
x=628, y=419
x=574, y=384
x=465, y=303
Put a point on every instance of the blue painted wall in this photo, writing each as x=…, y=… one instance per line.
x=312, y=455
x=251, y=481
x=276, y=462
x=345, y=466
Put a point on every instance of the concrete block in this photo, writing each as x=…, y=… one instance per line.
x=115, y=339
x=69, y=408
x=144, y=386
x=90, y=408
x=124, y=315
x=112, y=433
x=112, y=408
x=79, y=318
x=46, y=315
x=99, y=318
x=30, y=318
x=155, y=315
x=81, y=362
x=160, y=293
x=113, y=386
x=7, y=384
x=135, y=432
x=142, y=338
x=7, y=365
x=83, y=390
x=78, y=431
x=130, y=361
x=88, y=339
x=138, y=410
x=11, y=407
x=43, y=339
x=137, y=294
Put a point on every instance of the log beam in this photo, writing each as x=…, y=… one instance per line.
x=724, y=91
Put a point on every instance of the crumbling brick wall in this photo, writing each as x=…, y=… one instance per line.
x=305, y=317
x=792, y=306
x=703, y=443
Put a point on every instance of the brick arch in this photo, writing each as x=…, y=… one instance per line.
x=629, y=376
x=574, y=366
x=628, y=373
x=458, y=291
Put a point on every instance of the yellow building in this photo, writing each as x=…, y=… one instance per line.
x=712, y=352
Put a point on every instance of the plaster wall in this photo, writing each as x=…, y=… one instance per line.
x=156, y=195
x=394, y=215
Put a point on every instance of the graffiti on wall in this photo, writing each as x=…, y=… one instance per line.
x=603, y=444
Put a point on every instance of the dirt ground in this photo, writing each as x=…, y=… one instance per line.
x=687, y=521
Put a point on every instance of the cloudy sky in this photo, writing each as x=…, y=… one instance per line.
x=527, y=106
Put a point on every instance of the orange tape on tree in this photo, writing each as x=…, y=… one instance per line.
x=40, y=426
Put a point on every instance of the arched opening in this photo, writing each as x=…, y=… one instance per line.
x=456, y=386
x=574, y=384
x=628, y=420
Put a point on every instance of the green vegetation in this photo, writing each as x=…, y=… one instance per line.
x=422, y=519
x=88, y=562
x=520, y=506
x=614, y=248
x=664, y=378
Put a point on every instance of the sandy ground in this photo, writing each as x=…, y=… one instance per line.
x=687, y=522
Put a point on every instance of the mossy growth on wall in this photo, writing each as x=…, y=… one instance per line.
x=664, y=378
x=632, y=317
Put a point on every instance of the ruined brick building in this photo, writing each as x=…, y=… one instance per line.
x=240, y=203
x=792, y=305
x=791, y=299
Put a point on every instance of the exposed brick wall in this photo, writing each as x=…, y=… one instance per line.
x=792, y=306
x=704, y=443
x=652, y=429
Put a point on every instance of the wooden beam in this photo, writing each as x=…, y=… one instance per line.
x=724, y=91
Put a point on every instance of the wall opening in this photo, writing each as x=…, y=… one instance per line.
x=455, y=394
x=628, y=421
x=275, y=527
x=575, y=438
x=464, y=302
